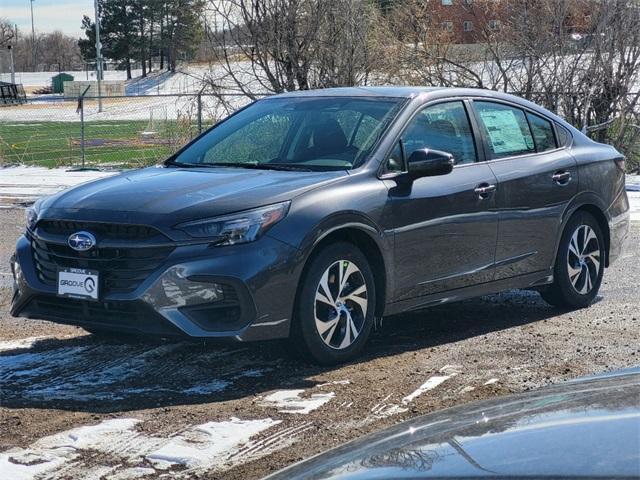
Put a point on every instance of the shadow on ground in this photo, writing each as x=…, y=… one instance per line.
x=91, y=374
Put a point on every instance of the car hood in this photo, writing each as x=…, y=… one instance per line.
x=582, y=429
x=180, y=194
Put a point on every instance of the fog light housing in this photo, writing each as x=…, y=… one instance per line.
x=174, y=290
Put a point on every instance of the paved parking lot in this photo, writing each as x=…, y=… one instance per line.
x=74, y=406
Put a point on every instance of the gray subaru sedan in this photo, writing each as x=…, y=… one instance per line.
x=308, y=215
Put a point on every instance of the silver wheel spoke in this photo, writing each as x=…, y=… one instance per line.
x=574, y=273
x=573, y=245
x=321, y=297
x=324, y=326
x=595, y=260
x=350, y=270
x=324, y=284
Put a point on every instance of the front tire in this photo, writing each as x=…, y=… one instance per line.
x=579, y=264
x=335, y=307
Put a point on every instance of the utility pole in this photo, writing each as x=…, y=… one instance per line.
x=13, y=69
x=98, y=55
x=33, y=39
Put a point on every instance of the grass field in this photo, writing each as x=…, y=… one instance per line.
x=120, y=143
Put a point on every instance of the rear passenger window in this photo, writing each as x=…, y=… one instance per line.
x=506, y=129
x=564, y=137
x=542, y=133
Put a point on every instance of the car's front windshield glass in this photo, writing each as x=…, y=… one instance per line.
x=313, y=133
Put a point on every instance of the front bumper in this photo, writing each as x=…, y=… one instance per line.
x=245, y=292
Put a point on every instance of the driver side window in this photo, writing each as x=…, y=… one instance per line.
x=444, y=127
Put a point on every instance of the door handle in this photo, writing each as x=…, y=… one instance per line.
x=484, y=190
x=562, y=177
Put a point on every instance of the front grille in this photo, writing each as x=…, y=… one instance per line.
x=133, y=316
x=121, y=269
x=101, y=230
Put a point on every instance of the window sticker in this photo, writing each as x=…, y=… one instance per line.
x=504, y=132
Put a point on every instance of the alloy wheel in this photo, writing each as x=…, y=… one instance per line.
x=583, y=259
x=340, y=304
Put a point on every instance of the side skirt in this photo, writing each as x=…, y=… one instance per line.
x=530, y=280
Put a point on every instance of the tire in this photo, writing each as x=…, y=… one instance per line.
x=579, y=266
x=319, y=330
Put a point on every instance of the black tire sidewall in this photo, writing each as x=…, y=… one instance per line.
x=562, y=284
x=304, y=333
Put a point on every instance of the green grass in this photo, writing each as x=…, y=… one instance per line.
x=53, y=144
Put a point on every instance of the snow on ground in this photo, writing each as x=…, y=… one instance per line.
x=383, y=409
x=633, y=191
x=56, y=372
x=291, y=401
x=21, y=343
x=25, y=184
x=121, y=450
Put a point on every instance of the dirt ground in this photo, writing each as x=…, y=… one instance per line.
x=55, y=378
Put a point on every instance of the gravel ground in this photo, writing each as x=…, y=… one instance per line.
x=241, y=411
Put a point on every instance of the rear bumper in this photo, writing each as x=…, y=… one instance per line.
x=619, y=225
x=243, y=292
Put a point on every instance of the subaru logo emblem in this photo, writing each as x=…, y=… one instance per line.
x=82, y=241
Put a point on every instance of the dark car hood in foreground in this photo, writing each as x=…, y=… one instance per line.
x=187, y=193
x=581, y=429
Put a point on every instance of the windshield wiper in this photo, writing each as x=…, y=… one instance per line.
x=255, y=166
x=263, y=166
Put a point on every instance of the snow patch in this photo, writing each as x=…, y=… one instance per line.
x=634, y=203
x=430, y=384
x=212, y=446
x=29, y=183
x=290, y=401
x=491, y=381
x=209, y=444
x=20, y=343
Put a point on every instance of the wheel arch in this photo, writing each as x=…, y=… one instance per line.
x=594, y=207
x=364, y=237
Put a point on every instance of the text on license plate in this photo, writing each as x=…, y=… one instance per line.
x=75, y=282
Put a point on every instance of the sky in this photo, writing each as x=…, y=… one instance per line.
x=48, y=15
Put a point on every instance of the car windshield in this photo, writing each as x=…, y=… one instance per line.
x=319, y=133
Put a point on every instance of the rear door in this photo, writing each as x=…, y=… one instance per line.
x=536, y=181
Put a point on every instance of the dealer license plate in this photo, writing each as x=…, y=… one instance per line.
x=78, y=283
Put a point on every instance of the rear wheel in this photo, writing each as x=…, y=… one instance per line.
x=335, y=306
x=579, y=264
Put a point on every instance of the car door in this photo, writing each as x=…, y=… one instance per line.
x=536, y=178
x=445, y=226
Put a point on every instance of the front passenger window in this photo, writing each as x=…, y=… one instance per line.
x=444, y=127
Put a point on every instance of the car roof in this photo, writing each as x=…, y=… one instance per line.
x=401, y=92
x=428, y=93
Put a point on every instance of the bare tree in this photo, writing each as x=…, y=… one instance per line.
x=274, y=46
x=7, y=33
x=578, y=58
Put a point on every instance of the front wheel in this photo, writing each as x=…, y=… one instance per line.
x=579, y=264
x=335, y=306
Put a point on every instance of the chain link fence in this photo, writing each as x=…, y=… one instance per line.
x=126, y=132
x=136, y=131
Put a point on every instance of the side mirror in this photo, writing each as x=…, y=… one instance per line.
x=429, y=163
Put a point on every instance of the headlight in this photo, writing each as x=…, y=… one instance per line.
x=31, y=215
x=239, y=227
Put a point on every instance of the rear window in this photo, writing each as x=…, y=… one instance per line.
x=542, y=131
